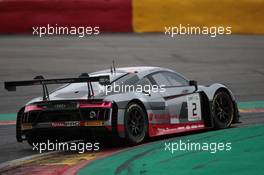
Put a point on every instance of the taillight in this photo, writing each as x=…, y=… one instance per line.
x=104, y=104
x=33, y=108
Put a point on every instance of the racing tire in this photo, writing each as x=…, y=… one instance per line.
x=222, y=110
x=135, y=124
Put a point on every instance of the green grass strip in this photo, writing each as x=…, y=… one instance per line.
x=7, y=117
x=251, y=105
x=245, y=157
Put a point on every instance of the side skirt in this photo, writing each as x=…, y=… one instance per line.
x=164, y=129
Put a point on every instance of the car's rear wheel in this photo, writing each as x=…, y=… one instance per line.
x=223, y=110
x=136, y=123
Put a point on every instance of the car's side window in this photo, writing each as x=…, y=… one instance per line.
x=144, y=81
x=175, y=80
x=169, y=79
x=160, y=79
x=129, y=79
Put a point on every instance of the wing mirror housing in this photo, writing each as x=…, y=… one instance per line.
x=193, y=83
x=146, y=93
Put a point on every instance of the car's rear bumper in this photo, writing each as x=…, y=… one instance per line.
x=71, y=115
x=63, y=131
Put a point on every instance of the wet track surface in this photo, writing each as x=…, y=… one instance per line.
x=236, y=61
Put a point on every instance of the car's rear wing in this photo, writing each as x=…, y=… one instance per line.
x=39, y=80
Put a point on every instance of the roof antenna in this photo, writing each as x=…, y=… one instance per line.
x=114, y=65
x=111, y=70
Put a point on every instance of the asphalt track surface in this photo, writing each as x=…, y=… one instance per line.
x=236, y=61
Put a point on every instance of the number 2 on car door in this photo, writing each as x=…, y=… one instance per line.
x=194, y=107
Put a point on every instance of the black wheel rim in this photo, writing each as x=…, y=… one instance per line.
x=223, y=108
x=135, y=123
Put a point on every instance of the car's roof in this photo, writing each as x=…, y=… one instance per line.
x=126, y=69
x=140, y=70
x=137, y=69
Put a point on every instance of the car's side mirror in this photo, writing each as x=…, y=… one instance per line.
x=193, y=83
x=146, y=93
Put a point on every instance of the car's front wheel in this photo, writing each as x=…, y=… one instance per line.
x=223, y=110
x=136, y=123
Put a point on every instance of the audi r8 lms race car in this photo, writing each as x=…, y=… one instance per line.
x=132, y=103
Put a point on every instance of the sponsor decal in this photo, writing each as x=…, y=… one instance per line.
x=65, y=124
x=60, y=106
x=77, y=123
x=187, y=127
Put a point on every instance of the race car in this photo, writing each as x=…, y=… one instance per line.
x=133, y=103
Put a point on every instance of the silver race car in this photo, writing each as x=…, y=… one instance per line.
x=132, y=103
